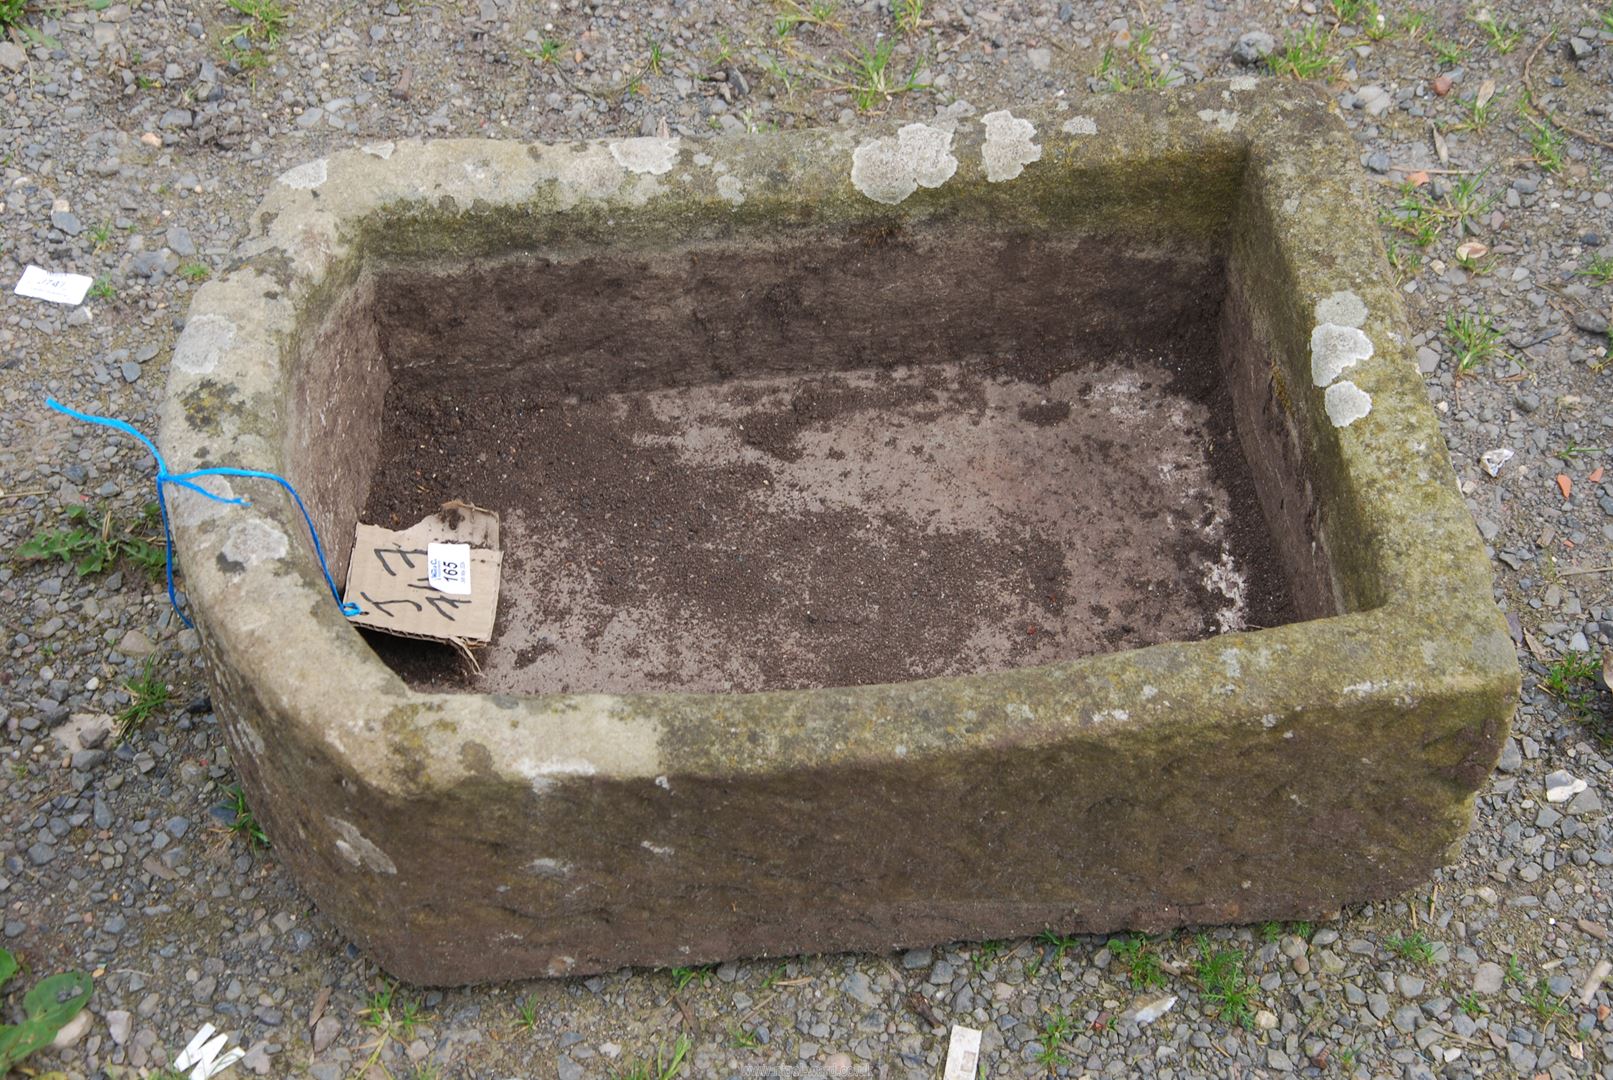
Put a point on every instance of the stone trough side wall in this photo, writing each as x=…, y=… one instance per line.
x=1274, y=774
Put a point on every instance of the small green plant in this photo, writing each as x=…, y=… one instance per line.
x=656, y=62
x=1470, y=1004
x=1224, y=982
x=796, y=13
x=1270, y=932
x=1504, y=37
x=1476, y=114
x=1514, y=971
x=243, y=822
x=1546, y=144
x=1599, y=269
x=1465, y=203
x=91, y=548
x=1055, y=1030
x=148, y=695
x=869, y=77
x=1570, y=679
x=1546, y=1005
x=1301, y=929
x=774, y=976
x=683, y=976
x=1058, y=943
x=1136, y=954
x=11, y=12
x=548, y=50
x=390, y=1017
x=1475, y=339
x=909, y=15
x=985, y=953
x=1447, y=52
x=1414, y=24
x=265, y=20
x=100, y=235
x=1574, y=449
x=1302, y=56
x=1133, y=67
x=195, y=272
x=46, y=1009
x=664, y=1066
x=1414, y=947
x=527, y=1013
x=103, y=289
x=1348, y=1055
x=740, y=1039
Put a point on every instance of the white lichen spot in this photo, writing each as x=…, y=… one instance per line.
x=1346, y=403
x=1342, y=308
x=702, y=159
x=357, y=849
x=1019, y=711
x=559, y=965
x=382, y=150
x=1240, y=83
x=1105, y=716
x=592, y=174
x=1009, y=145
x=1225, y=578
x=1224, y=119
x=646, y=154
x=890, y=169
x=549, y=868
x=203, y=343
x=1334, y=348
x=655, y=849
x=1080, y=125
x=305, y=176
x=730, y=188
x=543, y=774
x=1149, y=693
x=1291, y=205
x=1268, y=721
x=251, y=541
x=663, y=783
x=947, y=117
x=1231, y=663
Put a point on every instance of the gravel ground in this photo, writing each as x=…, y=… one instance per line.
x=137, y=137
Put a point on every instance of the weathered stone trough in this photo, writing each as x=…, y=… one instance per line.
x=946, y=532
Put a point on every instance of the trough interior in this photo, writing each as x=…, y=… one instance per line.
x=854, y=456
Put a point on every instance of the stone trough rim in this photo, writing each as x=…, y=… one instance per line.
x=1425, y=628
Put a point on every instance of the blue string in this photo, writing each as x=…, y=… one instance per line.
x=187, y=480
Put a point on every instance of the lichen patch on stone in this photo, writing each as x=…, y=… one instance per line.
x=1225, y=119
x=357, y=849
x=1080, y=125
x=1241, y=83
x=382, y=150
x=1342, y=308
x=730, y=188
x=1225, y=578
x=305, y=176
x=1009, y=145
x=1334, y=348
x=647, y=154
x=251, y=541
x=203, y=343
x=1346, y=403
x=542, y=774
x=889, y=169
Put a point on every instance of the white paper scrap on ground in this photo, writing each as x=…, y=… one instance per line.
x=1562, y=786
x=963, y=1054
x=1494, y=459
x=40, y=284
x=200, y=1060
x=401, y=580
x=449, y=568
x=1150, y=1011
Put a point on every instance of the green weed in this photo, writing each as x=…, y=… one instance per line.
x=1475, y=339
x=1504, y=37
x=1134, y=67
x=683, y=976
x=1547, y=145
x=1224, y=982
x=1055, y=1031
x=195, y=272
x=148, y=695
x=868, y=75
x=1599, y=269
x=794, y=14
x=1302, y=56
x=909, y=15
x=1136, y=954
x=93, y=548
x=265, y=20
x=46, y=1009
x=1414, y=947
x=243, y=822
x=655, y=64
x=740, y=1039
x=1470, y=1004
x=1548, y=1007
x=1447, y=52
x=1571, y=680
x=664, y=1066
x=103, y=289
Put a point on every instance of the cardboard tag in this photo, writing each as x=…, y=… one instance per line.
x=436, y=580
x=58, y=288
x=963, y=1054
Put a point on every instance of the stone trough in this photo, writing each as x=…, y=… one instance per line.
x=948, y=531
